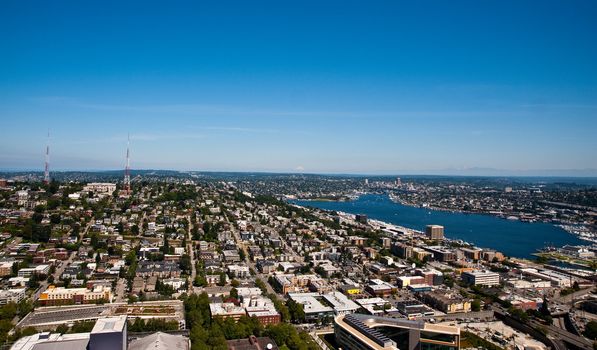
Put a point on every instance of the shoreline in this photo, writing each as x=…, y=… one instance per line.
x=390, y=229
x=389, y=226
x=394, y=229
x=570, y=228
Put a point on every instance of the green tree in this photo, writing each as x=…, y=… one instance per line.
x=185, y=263
x=476, y=305
x=200, y=281
x=544, y=309
x=518, y=314
x=287, y=337
x=166, y=245
x=62, y=328
x=297, y=312
x=82, y=327
x=24, y=307
x=591, y=330
x=234, y=293
x=281, y=308
x=8, y=311
x=261, y=285
x=222, y=281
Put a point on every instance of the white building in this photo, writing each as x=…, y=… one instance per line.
x=376, y=306
x=226, y=310
x=246, y=292
x=12, y=295
x=481, y=278
x=38, y=270
x=175, y=283
x=313, y=308
x=555, y=278
x=240, y=271
x=18, y=281
x=341, y=304
x=100, y=187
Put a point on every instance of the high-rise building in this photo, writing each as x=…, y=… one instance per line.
x=434, y=231
x=109, y=333
x=361, y=218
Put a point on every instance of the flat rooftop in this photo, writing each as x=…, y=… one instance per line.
x=109, y=325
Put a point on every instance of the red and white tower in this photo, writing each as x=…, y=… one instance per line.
x=127, y=169
x=47, y=167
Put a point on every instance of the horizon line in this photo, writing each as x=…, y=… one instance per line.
x=413, y=173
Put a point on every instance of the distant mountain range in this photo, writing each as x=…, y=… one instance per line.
x=477, y=171
x=473, y=172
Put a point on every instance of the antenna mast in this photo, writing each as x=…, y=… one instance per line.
x=127, y=169
x=47, y=167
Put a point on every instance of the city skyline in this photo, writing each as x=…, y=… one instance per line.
x=315, y=88
x=298, y=175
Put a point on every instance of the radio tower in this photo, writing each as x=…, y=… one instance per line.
x=127, y=169
x=47, y=168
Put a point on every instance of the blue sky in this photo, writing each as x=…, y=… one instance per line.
x=309, y=86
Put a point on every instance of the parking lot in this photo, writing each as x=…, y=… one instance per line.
x=502, y=335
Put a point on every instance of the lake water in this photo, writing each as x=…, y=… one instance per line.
x=513, y=238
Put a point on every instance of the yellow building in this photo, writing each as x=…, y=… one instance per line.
x=60, y=296
x=350, y=289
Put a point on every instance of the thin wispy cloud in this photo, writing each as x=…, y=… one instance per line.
x=560, y=105
x=240, y=129
x=135, y=137
x=166, y=136
x=211, y=110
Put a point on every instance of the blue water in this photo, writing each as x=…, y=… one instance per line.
x=513, y=238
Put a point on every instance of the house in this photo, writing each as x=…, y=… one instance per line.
x=238, y=271
x=231, y=256
x=266, y=266
x=161, y=269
